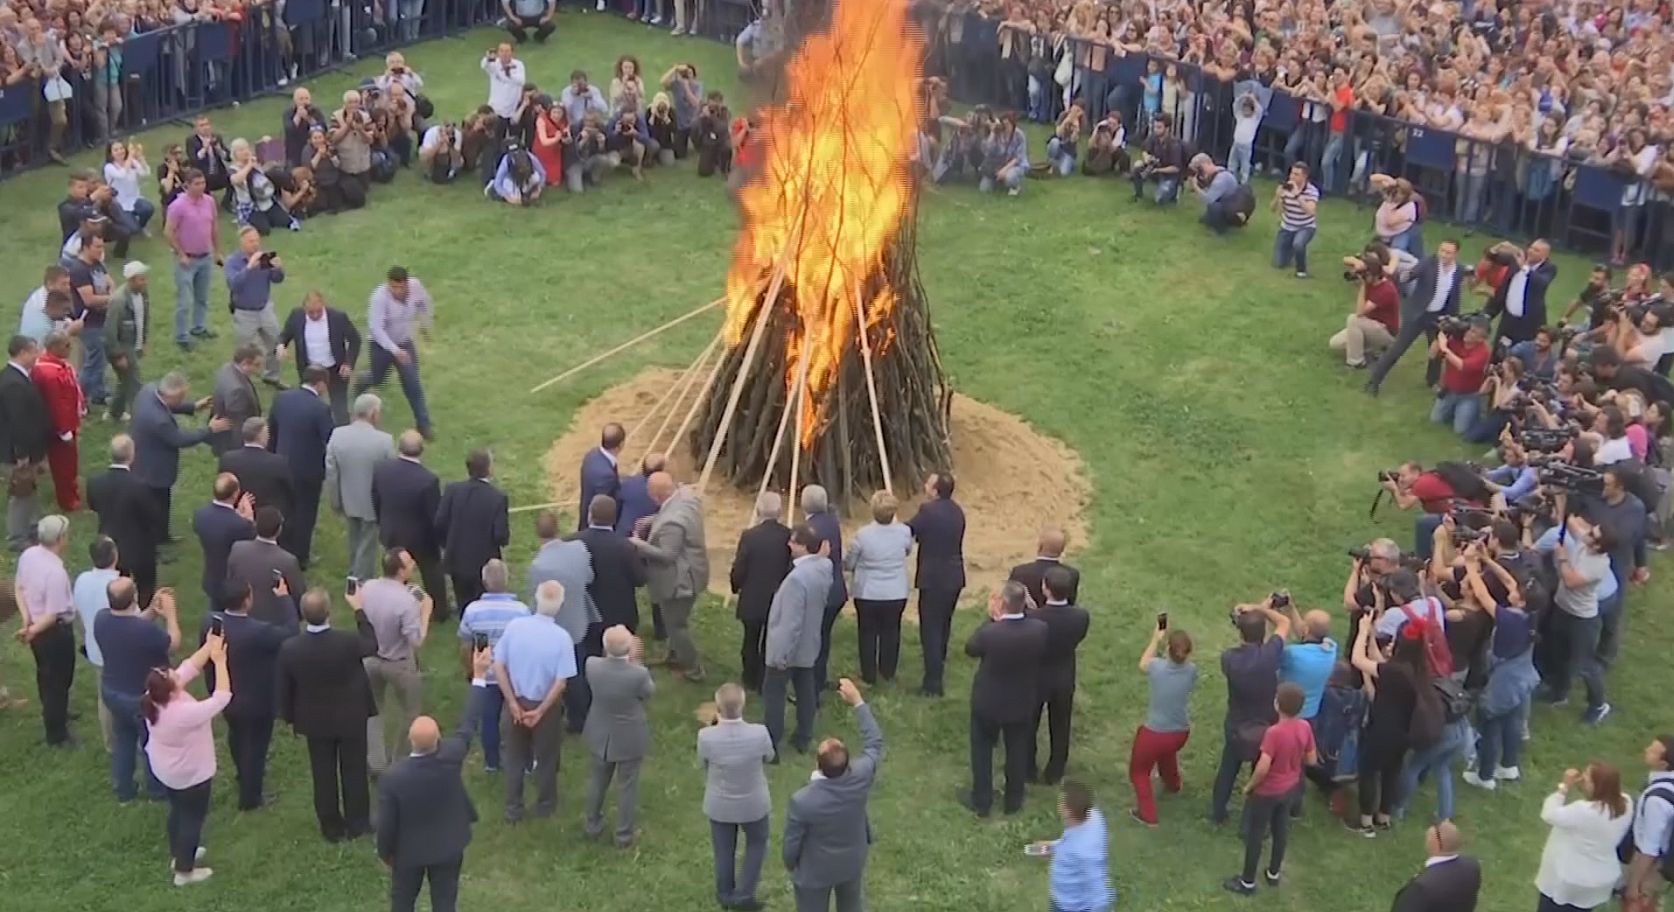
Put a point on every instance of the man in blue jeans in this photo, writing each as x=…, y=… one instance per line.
x=1162, y=162
x=1297, y=201
x=400, y=309
x=131, y=645
x=1582, y=559
x=90, y=290
x=1251, y=670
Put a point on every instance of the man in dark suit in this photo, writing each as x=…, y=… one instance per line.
x=828, y=835
x=405, y=496
x=261, y=566
x=25, y=432
x=1049, y=553
x=299, y=428
x=264, y=475
x=598, y=470
x=816, y=505
x=222, y=522
x=325, y=338
x=1437, y=282
x=1003, y=696
x=939, y=528
x=633, y=501
x=473, y=525
x=1066, y=626
x=761, y=563
x=253, y=649
x=158, y=440
x=128, y=515
x=618, y=569
x=235, y=397
x=425, y=812
x=1449, y=882
x=1520, y=301
x=326, y=698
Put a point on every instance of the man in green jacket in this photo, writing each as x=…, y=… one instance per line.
x=128, y=329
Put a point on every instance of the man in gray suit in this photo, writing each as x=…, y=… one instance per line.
x=735, y=797
x=355, y=449
x=679, y=565
x=793, y=636
x=827, y=834
x=259, y=563
x=616, y=731
x=571, y=564
x=235, y=397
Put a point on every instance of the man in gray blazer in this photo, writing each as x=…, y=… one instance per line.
x=259, y=563
x=235, y=397
x=616, y=730
x=735, y=797
x=793, y=636
x=571, y=564
x=827, y=833
x=678, y=570
x=355, y=449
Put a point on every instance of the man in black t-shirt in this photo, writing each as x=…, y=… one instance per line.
x=1252, y=679
x=1164, y=160
x=77, y=206
x=90, y=290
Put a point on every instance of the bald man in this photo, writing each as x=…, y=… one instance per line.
x=1049, y=553
x=678, y=566
x=1520, y=301
x=224, y=522
x=1308, y=662
x=617, y=732
x=424, y=811
x=1449, y=882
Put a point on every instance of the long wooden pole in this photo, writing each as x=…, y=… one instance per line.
x=685, y=383
x=784, y=419
x=699, y=399
x=872, y=389
x=684, y=380
x=796, y=402
x=628, y=344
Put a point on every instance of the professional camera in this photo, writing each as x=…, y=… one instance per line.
x=265, y=261
x=1653, y=304
x=1454, y=325
x=1545, y=440
x=1531, y=505
x=1363, y=267
x=1470, y=524
x=1502, y=255
x=1567, y=477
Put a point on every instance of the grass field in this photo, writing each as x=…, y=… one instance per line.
x=1231, y=454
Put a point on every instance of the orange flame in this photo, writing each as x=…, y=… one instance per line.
x=835, y=183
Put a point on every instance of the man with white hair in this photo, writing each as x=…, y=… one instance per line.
x=158, y=439
x=679, y=565
x=735, y=796
x=352, y=454
x=1226, y=203
x=759, y=566
x=617, y=732
x=532, y=663
x=47, y=606
x=816, y=505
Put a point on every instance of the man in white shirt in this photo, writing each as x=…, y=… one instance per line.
x=90, y=597
x=1522, y=297
x=1653, y=824
x=506, y=75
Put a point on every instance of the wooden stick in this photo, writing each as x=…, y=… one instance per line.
x=784, y=419
x=872, y=389
x=680, y=383
x=628, y=344
x=799, y=396
x=698, y=400
x=744, y=364
x=530, y=507
x=684, y=384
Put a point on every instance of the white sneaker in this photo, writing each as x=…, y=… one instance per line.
x=196, y=856
x=1471, y=778
x=678, y=31
x=198, y=875
x=1015, y=191
x=657, y=20
x=599, y=6
x=1507, y=773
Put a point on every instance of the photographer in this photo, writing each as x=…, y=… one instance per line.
x=1364, y=592
x=630, y=144
x=1503, y=397
x=1061, y=146
x=1005, y=157
x=1372, y=325
x=711, y=136
x=1226, y=202
x=1594, y=298
x=1162, y=161
x=1515, y=478
x=1464, y=373
x=590, y=160
x=1520, y=301
x=351, y=138
x=1434, y=293
x=1539, y=356
x=962, y=154
x=1621, y=513
x=1396, y=221
x=1581, y=554
x=298, y=119
x=1252, y=678
x=1611, y=373
x=1107, y=150
x=1297, y=202
x=1434, y=492
x=1640, y=336
x=441, y=153
x=251, y=274
x=519, y=180
x=685, y=91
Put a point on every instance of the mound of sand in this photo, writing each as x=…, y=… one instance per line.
x=1012, y=480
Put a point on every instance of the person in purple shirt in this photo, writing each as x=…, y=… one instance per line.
x=399, y=311
x=192, y=231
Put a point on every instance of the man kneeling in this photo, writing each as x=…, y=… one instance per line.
x=1376, y=318
x=1226, y=203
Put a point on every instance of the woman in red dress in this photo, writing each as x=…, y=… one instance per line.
x=552, y=137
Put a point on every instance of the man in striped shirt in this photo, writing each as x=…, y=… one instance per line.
x=1296, y=201
x=480, y=626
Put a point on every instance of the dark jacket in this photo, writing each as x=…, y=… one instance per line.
x=323, y=690
x=633, y=503
x=235, y=398
x=1448, y=886
x=214, y=163
x=252, y=649
x=267, y=476
x=405, y=496
x=127, y=513
x=1033, y=577
x=298, y=429
x=617, y=571
x=1424, y=277
x=1518, y=329
x=424, y=810
x=24, y=427
x=598, y=476
x=254, y=563
x=473, y=525
x=761, y=564
x=218, y=527
x=1066, y=627
x=1007, y=679
x=939, y=528
x=158, y=440
x=831, y=530
x=340, y=332
x=296, y=135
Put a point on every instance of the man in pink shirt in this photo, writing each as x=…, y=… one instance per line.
x=45, y=601
x=193, y=232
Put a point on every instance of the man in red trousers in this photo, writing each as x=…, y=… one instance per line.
x=56, y=379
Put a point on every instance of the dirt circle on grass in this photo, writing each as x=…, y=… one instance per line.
x=1012, y=480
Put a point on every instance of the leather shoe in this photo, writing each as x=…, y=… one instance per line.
x=968, y=802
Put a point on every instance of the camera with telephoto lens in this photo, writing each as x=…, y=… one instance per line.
x=1454, y=326
x=1360, y=268
x=1653, y=304
x=1545, y=440
x=1470, y=524
x=1534, y=505
x=1566, y=476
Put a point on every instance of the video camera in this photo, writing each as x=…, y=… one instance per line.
x=1545, y=440
x=1572, y=478
x=1360, y=268
x=1651, y=304
x=1454, y=326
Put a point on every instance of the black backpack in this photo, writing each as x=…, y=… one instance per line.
x=1625, y=850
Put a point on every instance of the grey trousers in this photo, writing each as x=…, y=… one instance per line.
x=626, y=773
x=21, y=516
x=396, y=689
x=677, y=615
x=851, y=897
x=363, y=548
x=262, y=327
x=525, y=747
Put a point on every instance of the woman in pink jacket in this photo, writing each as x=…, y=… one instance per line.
x=182, y=749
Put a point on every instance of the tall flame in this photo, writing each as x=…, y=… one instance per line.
x=835, y=187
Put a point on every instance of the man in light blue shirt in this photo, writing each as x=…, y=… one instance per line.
x=1308, y=664
x=532, y=662
x=1223, y=197
x=1516, y=478
x=1080, y=879
x=579, y=99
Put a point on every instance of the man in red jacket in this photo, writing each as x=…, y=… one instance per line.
x=56, y=379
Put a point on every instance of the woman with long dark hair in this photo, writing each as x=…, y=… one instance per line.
x=1579, y=866
x=181, y=749
x=1397, y=678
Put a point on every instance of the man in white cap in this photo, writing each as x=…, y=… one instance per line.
x=126, y=319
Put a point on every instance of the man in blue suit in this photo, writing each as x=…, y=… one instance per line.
x=636, y=504
x=300, y=424
x=158, y=440
x=598, y=471
x=220, y=524
x=1520, y=301
x=1434, y=293
x=939, y=529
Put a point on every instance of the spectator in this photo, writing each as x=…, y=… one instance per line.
x=124, y=163
x=171, y=176
x=129, y=644
x=685, y=91
x=660, y=124
x=351, y=139
x=711, y=138
x=579, y=99
x=589, y=158
x=1653, y=828
x=335, y=194
x=1372, y=325
x=878, y=559
x=1297, y=202
x=251, y=275
x=1107, y=149
x=1061, y=146
x=181, y=747
x=735, y=796
x=1449, y=881
x=206, y=152
x=396, y=72
x=1396, y=221
x=1512, y=679
x=1286, y=748
x=1161, y=162
x=521, y=16
x=1246, y=116
x=533, y=661
x=1159, y=740
x=299, y=120
x=1080, y=877
x=617, y=732
x=193, y=233
x=441, y=153
x=1582, y=560
x=1252, y=677
x=1399, y=680
x=1308, y=663
x=60, y=392
x=90, y=291
x=1005, y=157
x=400, y=616
x=627, y=86
x=552, y=139
x=628, y=143
x=1579, y=868
x=482, y=623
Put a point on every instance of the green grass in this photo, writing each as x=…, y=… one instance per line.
x=1231, y=454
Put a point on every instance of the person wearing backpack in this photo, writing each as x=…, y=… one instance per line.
x=1412, y=605
x=1398, y=680
x=1582, y=558
x=1650, y=857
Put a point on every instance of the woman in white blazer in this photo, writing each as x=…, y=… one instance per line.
x=878, y=558
x=1578, y=868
